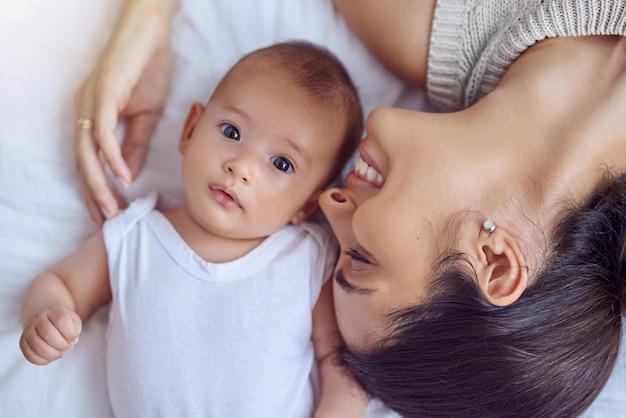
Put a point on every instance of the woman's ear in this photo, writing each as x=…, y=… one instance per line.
x=501, y=267
x=193, y=117
x=308, y=209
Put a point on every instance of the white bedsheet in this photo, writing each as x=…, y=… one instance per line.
x=46, y=50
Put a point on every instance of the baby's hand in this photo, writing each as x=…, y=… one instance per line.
x=50, y=334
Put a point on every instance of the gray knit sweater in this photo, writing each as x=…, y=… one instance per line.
x=473, y=42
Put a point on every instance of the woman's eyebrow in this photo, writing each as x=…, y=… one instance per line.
x=340, y=278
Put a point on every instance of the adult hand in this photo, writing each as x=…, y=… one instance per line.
x=50, y=334
x=130, y=81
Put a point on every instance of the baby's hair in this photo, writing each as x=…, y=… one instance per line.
x=320, y=73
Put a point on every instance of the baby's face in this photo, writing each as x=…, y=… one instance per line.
x=257, y=153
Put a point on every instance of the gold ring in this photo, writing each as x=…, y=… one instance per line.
x=85, y=123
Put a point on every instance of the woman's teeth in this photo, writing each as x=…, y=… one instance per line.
x=363, y=170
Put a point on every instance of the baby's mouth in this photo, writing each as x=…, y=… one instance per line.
x=225, y=196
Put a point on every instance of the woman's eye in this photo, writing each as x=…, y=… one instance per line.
x=357, y=256
x=282, y=164
x=230, y=131
x=359, y=262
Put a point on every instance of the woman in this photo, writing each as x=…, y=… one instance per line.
x=483, y=269
x=483, y=250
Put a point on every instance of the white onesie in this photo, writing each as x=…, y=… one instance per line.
x=188, y=338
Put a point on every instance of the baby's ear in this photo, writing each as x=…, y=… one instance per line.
x=308, y=209
x=193, y=117
x=501, y=267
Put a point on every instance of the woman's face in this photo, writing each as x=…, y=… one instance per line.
x=389, y=220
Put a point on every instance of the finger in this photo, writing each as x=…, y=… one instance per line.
x=122, y=203
x=39, y=347
x=68, y=325
x=52, y=336
x=92, y=207
x=106, y=115
x=97, y=187
x=119, y=198
x=139, y=131
x=94, y=183
x=30, y=354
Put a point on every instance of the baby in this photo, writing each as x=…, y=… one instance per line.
x=219, y=306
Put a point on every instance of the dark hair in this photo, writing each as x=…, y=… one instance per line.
x=548, y=354
x=319, y=72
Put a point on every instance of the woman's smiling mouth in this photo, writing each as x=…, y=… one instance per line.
x=366, y=172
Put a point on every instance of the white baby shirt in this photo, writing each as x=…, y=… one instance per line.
x=188, y=338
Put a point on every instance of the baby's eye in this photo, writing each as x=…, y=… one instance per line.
x=282, y=164
x=230, y=131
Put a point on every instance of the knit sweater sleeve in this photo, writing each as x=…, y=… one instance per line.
x=474, y=42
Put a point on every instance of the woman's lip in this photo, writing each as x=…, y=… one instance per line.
x=368, y=158
x=225, y=196
x=353, y=181
x=367, y=171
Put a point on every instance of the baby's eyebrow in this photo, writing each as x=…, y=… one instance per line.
x=340, y=278
x=298, y=149
x=237, y=111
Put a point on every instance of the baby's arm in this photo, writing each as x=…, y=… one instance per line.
x=341, y=395
x=60, y=298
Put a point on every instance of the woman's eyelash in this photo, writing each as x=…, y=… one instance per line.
x=355, y=255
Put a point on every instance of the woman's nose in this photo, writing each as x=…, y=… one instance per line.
x=379, y=120
x=338, y=207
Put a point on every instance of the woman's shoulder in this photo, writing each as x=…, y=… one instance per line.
x=472, y=47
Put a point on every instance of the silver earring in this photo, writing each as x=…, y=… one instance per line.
x=489, y=226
